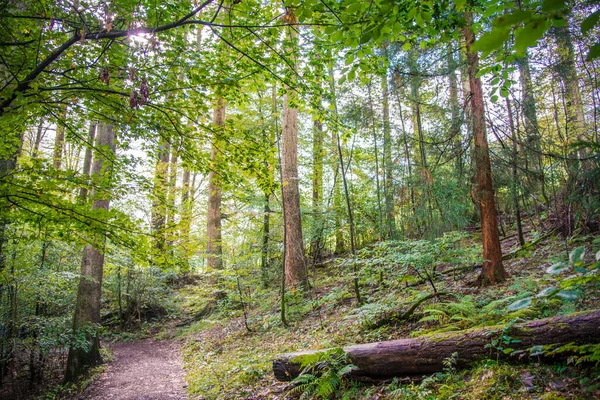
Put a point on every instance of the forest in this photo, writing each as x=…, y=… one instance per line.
x=319, y=199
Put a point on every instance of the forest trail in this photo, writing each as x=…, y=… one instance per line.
x=146, y=370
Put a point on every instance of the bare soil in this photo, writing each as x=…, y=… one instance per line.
x=146, y=370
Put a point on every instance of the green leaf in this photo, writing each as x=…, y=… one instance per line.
x=576, y=256
x=494, y=98
x=594, y=52
x=349, y=58
x=536, y=350
x=529, y=35
x=547, y=292
x=406, y=46
x=366, y=37
x=354, y=7
x=520, y=304
x=557, y=268
x=351, y=75
x=512, y=19
x=491, y=41
x=567, y=295
x=553, y=5
x=590, y=22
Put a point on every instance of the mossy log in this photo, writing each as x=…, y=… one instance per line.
x=426, y=354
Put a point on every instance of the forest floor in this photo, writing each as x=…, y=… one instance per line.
x=146, y=370
x=221, y=342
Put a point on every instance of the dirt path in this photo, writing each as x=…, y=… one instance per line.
x=147, y=370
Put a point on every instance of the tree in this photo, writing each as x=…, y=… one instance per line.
x=214, y=248
x=295, y=263
x=493, y=270
x=388, y=162
x=87, y=312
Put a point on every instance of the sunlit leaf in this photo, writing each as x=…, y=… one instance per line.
x=520, y=304
x=557, y=268
x=576, y=256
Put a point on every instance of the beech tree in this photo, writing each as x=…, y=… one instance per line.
x=87, y=311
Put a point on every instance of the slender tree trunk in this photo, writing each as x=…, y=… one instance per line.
x=38, y=139
x=388, y=163
x=87, y=309
x=214, y=246
x=377, y=185
x=264, y=250
x=493, y=270
x=567, y=71
x=295, y=266
x=317, y=187
x=405, y=144
x=171, y=196
x=534, y=153
x=159, y=197
x=186, y=220
x=515, y=177
x=59, y=141
x=87, y=160
x=455, y=115
x=346, y=191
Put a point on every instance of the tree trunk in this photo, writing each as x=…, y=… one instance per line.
x=455, y=135
x=317, y=187
x=38, y=139
x=427, y=354
x=493, y=270
x=171, y=195
x=295, y=267
x=515, y=176
x=87, y=160
x=575, y=118
x=214, y=248
x=534, y=153
x=346, y=192
x=186, y=220
x=388, y=163
x=159, y=196
x=377, y=185
x=87, y=309
x=59, y=141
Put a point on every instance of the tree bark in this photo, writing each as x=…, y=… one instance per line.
x=87, y=160
x=426, y=355
x=515, y=176
x=59, y=141
x=213, y=231
x=534, y=148
x=159, y=197
x=171, y=195
x=186, y=220
x=455, y=114
x=87, y=309
x=295, y=267
x=388, y=163
x=493, y=270
x=317, y=187
x=376, y=150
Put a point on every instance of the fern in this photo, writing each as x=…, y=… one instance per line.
x=323, y=374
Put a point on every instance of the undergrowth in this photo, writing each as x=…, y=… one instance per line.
x=224, y=360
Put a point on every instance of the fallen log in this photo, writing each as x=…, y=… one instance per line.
x=426, y=355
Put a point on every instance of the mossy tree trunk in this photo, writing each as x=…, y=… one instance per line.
x=428, y=354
